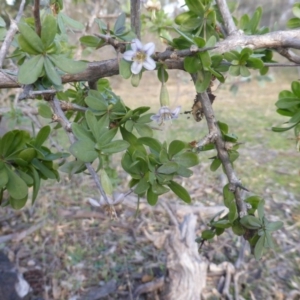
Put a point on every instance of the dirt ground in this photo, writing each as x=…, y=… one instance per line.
x=66, y=248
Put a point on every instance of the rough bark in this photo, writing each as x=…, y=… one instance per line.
x=186, y=268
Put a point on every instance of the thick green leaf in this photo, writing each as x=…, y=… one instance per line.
x=96, y=103
x=81, y=132
x=25, y=46
x=27, y=178
x=143, y=130
x=162, y=74
x=244, y=71
x=44, y=170
x=31, y=37
x=196, y=6
x=192, y=64
x=255, y=20
x=71, y=22
x=273, y=226
x=216, y=163
x=222, y=224
x=227, y=195
x=31, y=70
x=151, y=143
x=293, y=23
x=180, y=191
x=151, y=197
x=36, y=183
x=3, y=178
x=42, y=136
x=107, y=137
x=125, y=68
x=207, y=234
x=45, y=111
x=232, y=215
x=114, y=147
x=203, y=81
x=295, y=118
x=234, y=70
x=186, y=159
x=90, y=40
x=259, y=247
x=168, y=168
x=92, y=123
x=286, y=103
x=237, y=228
x=68, y=65
x=51, y=72
x=142, y=186
x=159, y=189
x=17, y=203
x=253, y=201
x=119, y=26
x=16, y=186
x=260, y=209
x=251, y=222
x=268, y=241
x=175, y=147
x=84, y=150
x=254, y=63
x=49, y=30
x=6, y=143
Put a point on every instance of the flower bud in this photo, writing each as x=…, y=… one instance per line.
x=164, y=96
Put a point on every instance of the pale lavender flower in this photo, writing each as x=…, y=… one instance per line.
x=141, y=56
x=165, y=114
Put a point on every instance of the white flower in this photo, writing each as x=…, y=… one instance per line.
x=165, y=114
x=140, y=55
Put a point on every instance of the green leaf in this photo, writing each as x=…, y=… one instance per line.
x=175, y=147
x=31, y=37
x=36, y=183
x=251, y=222
x=17, y=203
x=234, y=70
x=106, y=137
x=84, y=150
x=232, y=215
x=142, y=186
x=27, y=178
x=254, y=22
x=296, y=10
x=143, y=130
x=260, y=209
x=125, y=68
x=295, y=118
x=25, y=46
x=71, y=22
x=96, y=103
x=42, y=136
x=203, y=81
x=106, y=183
x=151, y=143
x=216, y=163
x=45, y=111
x=114, y=147
x=180, y=191
x=259, y=247
x=253, y=201
x=27, y=154
x=81, y=133
x=207, y=234
x=68, y=65
x=49, y=30
x=3, y=178
x=186, y=159
x=192, y=64
x=6, y=143
x=92, y=123
x=151, y=197
x=119, y=26
x=244, y=71
x=31, y=70
x=282, y=129
x=227, y=195
x=221, y=224
x=162, y=74
x=16, y=186
x=44, y=170
x=168, y=168
x=237, y=228
x=293, y=23
x=51, y=72
x=223, y=127
x=159, y=189
x=196, y=6
x=268, y=241
x=90, y=40
x=273, y=226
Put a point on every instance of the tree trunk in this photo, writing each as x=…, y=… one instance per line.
x=186, y=268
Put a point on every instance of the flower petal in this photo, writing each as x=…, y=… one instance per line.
x=149, y=64
x=136, y=67
x=149, y=48
x=175, y=112
x=156, y=118
x=136, y=45
x=128, y=55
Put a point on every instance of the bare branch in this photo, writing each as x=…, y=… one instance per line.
x=135, y=14
x=287, y=53
x=276, y=39
x=37, y=19
x=227, y=18
x=10, y=34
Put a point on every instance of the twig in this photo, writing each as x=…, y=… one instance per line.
x=287, y=53
x=208, y=139
x=170, y=213
x=61, y=118
x=135, y=17
x=10, y=33
x=227, y=18
x=149, y=287
x=37, y=19
x=234, y=182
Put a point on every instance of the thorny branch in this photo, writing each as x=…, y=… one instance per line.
x=214, y=131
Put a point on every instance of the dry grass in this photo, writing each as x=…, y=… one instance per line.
x=79, y=248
